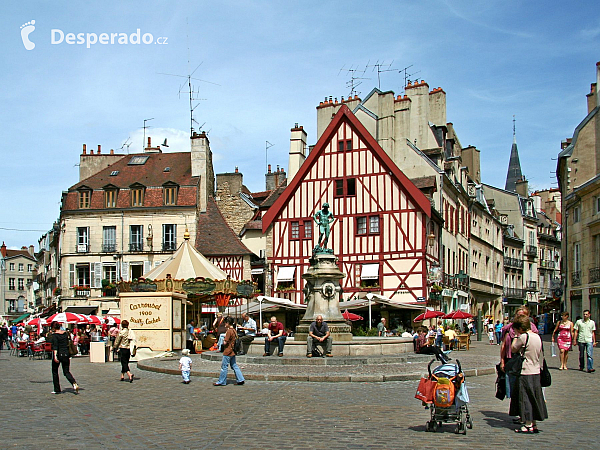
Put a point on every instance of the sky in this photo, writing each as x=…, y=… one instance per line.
x=260, y=67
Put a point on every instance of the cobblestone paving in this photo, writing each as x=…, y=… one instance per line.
x=158, y=411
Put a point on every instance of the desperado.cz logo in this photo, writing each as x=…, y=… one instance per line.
x=58, y=36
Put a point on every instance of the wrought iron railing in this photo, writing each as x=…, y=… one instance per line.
x=109, y=248
x=531, y=250
x=531, y=285
x=169, y=246
x=82, y=292
x=513, y=262
x=547, y=264
x=136, y=247
x=595, y=275
x=514, y=293
x=576, y=278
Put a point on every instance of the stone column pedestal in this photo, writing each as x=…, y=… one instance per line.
x=322, y=292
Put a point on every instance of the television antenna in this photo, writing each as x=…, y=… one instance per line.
x=144, y=127
x=268, y=145
x=381, y=67
x=407, y=75
x=126, y=144
x=352, y=84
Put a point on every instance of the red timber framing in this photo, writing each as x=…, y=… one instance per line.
x=381, y=216
x=231, y=265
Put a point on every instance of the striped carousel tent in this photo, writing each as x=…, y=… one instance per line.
x=185, y=263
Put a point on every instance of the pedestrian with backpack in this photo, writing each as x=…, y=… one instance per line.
x=229, y=356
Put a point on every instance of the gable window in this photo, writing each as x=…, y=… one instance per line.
x=109, y=239
x=137, y=196
x=83, y=235
x=345, y=187
x=110, y=198
x=29, y=267
x=136, y=243
x=21, y=267
x=169, y=237
x=345, y=145
x=170, y=195
x=11, y=266
x=84, y=199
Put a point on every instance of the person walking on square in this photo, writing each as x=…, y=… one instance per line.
x=185, y=365
x=229, y=356
x=122, y=344
x=275, y=333
x=498, y=332
x=565, y=339
x=318, y=334
x=60, y=356
x=381, y=329
x=585, y=336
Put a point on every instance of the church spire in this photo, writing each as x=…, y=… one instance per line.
x=514, y=165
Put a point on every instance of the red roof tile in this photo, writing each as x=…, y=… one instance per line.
x=214, y=237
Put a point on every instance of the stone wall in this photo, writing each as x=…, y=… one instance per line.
x=234, y=209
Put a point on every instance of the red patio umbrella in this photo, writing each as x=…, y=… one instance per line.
x=67, y=317
x=38, y=321
x=429, y=314
x=351, y=316
x=113, y=320
x=95, y=320
x=455, y=315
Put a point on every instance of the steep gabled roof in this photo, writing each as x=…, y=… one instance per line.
x=214, y=237
x=344, y=115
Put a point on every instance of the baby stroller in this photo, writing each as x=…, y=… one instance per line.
x=449, y=398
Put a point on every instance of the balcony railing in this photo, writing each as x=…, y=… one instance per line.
x=514, y=293
x=82, y=292
x=547, y=264
x=531, y=250
x=169, y=246
x=576, y=278
x=109, y=292
x=136, y=247
x=513, y=262
x=458, y=281
x=595, y=275
x=109, y=248
x=531, y=286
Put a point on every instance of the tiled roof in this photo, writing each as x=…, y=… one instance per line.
x=214, y=237
x=151, y=173
x=272, y=198
x=14, y=253
x=425, y=182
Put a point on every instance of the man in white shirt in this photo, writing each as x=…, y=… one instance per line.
x=585, y=336
x=249, y=329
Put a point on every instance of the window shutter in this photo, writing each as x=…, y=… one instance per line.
x=71, y=275
x=147, y=267
x=97, y=275
x=125, y=271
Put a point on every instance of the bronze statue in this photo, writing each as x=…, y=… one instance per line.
x=324, y=218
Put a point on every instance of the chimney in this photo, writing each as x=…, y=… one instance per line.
x=31, y=250
x=229, y=184
x=274, y=179
x=99, y=149
x=201, y=161
x=297, y=150
x=522, y=187
x=3, y=249
x=84, y=149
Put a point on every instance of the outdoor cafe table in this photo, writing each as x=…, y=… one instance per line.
x=463, y=339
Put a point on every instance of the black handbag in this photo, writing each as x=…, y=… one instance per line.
x=500, y=383
x=515, y=364
x=545, y=377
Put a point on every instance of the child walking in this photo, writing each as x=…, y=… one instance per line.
x=185, y=365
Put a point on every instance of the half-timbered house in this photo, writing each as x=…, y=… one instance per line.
x=380, y=230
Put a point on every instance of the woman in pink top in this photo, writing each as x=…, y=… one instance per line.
x=528, y=399
x=565, y=335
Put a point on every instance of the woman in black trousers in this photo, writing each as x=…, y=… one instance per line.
x=122, y=346
x=60, y=355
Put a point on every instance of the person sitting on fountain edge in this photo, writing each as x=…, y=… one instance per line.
x=275, y=333
x=318, y=334
x=423, y=347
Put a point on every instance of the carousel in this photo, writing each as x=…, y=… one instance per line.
x=159, y=305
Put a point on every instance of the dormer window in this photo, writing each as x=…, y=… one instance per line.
x=84, y=199
x=170, y=195
x=137, y=195
x=110, y=198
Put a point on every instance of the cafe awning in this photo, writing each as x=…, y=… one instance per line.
x=20, y=318
x=286, y=273
x=87, y=310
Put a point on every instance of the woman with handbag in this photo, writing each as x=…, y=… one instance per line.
x=122, y=345
x=61, y=356
x=530, y=404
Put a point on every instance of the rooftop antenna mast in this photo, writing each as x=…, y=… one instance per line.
x=514, y=129
x=352, y=83
x=144, y=127
x=407, y=75
x=192, y=93
x=268, y=145
x=382, y=67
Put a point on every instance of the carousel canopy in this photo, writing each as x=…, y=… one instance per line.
x=185, y=263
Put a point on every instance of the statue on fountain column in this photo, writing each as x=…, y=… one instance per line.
x=324, y=218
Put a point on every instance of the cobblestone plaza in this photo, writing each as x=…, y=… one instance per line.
x=158, y=411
